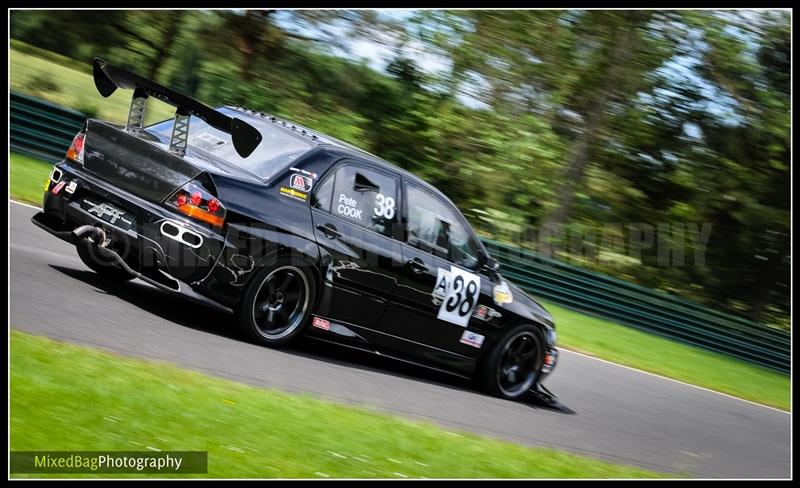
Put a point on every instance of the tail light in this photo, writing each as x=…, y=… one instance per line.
x=75, y=151
x=198, y=203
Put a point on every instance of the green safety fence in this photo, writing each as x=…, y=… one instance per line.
x=643, y=308
x=42, y=129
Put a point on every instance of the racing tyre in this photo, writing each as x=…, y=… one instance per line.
x=512, y=367
x=100, y=265
x=277, y=304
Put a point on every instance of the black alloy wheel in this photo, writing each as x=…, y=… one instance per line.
x=277, y=305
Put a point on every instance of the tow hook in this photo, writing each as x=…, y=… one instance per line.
x=544, y=395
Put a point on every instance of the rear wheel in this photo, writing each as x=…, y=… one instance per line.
x=513, y=365
x=104, y=267
x=277, y=304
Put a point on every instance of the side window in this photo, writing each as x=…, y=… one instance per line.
x=434, y=227
x=321, y=198
x=364, y=196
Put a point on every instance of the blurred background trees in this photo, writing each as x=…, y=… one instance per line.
x=591, y=118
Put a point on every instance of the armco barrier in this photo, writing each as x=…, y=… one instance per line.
x=42, y=129
x=643, y=308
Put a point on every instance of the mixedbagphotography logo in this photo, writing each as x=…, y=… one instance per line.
x=145, y=462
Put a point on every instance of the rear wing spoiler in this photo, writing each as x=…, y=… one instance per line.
x=108, y=78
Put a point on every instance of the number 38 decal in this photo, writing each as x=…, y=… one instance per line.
x=463, y=290
x=384, y=206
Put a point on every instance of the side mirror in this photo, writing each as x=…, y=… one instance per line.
x=491, y=264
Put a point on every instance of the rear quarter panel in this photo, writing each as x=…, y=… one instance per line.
x=265, y=221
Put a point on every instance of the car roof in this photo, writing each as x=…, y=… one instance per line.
x=323, y=140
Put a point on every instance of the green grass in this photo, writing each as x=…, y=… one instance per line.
x=576, y=331
x=27, y=177
x=66, y=397
x=648, y=352
x=31, y=73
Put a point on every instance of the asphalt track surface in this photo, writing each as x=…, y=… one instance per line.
x=609, y=412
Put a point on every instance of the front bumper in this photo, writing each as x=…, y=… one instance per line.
x=550, y=360
x=551, y=353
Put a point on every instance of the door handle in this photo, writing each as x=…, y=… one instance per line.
x=417, y=265
x=329, y=231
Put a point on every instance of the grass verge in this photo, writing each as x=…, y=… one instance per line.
x=576, y=331
x=625, y=345
x=27, y=176
x=66, y=397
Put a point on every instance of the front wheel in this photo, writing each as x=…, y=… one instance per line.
x=277, y=304
x=512, y=367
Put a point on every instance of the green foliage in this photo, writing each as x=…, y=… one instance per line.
x=42, y=84
x=589, y=118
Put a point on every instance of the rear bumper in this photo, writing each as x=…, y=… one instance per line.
x=156, y=278
x=143, y=248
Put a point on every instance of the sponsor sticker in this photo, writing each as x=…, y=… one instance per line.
x=292, y=193
x=108, y=213
x=300, y=182
x=483, y=312
x=47, y=184
x=71, y=187
x=502, y=294
x=58, y=187
x=321, y=323
x=472, y=339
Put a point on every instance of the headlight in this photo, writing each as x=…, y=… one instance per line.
x=551, y=337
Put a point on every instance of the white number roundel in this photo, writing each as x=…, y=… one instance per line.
x=461, y=298
x=384, y=206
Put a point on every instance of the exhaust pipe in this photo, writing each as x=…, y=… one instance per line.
x=89, y=235
x=96, y=234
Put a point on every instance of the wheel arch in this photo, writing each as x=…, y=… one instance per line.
x=251, y=247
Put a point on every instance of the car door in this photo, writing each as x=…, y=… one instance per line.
x=439, y=285
x=354, y=212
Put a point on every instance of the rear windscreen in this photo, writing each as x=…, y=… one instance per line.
x=278, y=147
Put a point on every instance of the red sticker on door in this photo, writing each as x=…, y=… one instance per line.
x=300, y=182
x=321, y=323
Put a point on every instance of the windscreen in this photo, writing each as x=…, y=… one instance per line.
x=278, y=147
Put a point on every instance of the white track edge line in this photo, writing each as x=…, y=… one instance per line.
x=24, y=204
x=674, y=380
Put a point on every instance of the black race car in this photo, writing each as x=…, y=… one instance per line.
x=292, y=232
